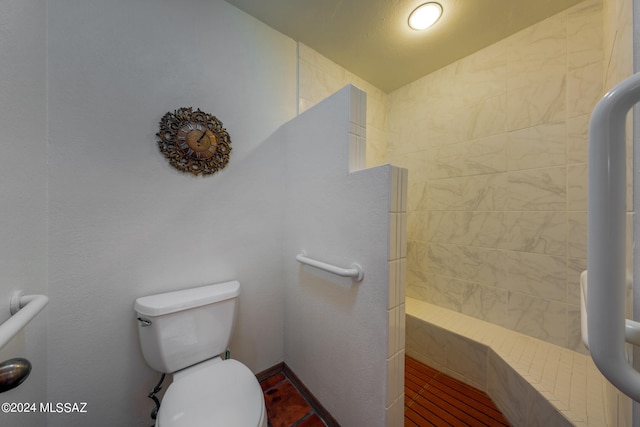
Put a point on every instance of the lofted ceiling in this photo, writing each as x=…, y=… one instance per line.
x=371, y=38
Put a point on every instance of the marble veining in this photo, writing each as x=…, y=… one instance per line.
x=537, y=189
x=538, y=146
x=496, y=147
x=478, y=192
x=538, y=275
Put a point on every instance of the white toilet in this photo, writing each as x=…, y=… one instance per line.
x=184, y=333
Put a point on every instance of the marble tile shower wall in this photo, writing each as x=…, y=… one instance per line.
x=496, y=148
x=318, y=77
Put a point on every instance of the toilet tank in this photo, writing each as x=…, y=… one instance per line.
x=181, y=328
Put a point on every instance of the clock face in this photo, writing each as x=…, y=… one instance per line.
x=194, y=142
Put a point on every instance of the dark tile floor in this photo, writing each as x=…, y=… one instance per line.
x=285, y=405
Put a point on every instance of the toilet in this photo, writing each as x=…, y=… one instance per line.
x=184, y=333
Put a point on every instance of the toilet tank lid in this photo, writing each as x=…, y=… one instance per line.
x=171, y=302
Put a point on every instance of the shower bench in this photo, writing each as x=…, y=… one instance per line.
x=532, y=381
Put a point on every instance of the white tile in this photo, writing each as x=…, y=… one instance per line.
x=394, y=377
x=357, y=152
x=549, y=380
x=404, y=183
x=402, y=273
x=395, y=413
x=355, y=105
x=402, y=329
x=402, y=235
x=402, y=332
x=394, y=283
x=392, y=334
x=394, y=196
x=393, y=236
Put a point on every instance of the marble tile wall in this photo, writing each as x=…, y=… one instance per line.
x=318, y=77
x=496, y=148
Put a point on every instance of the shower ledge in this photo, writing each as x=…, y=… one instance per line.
x=530, y=380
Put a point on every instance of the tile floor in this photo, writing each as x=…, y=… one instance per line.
x=285, y=405
x=431, y=399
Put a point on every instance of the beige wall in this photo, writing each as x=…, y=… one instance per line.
x=618, y=40
x=496, y=150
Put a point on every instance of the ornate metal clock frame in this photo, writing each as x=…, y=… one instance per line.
x=194, y=141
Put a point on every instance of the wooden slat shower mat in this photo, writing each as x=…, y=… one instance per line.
x=435, y=399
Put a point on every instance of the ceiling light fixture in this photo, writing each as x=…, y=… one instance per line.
x=425, y=16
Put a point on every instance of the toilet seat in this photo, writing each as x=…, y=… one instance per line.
x=214, y=393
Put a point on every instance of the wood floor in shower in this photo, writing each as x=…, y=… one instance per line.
x=431, y=399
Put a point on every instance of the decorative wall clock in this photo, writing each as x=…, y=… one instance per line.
x=194, y=141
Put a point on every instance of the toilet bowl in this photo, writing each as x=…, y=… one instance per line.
x=213, y=393
x=183, y=333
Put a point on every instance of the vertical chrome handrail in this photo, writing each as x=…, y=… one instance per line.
x=606, y=236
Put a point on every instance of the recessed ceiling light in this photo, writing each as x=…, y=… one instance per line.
x=425, y=16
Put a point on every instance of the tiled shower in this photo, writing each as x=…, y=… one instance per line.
x=495, y=145
x=497, y=160
x=496, y=148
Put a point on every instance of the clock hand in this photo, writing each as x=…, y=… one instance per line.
x=202, y=136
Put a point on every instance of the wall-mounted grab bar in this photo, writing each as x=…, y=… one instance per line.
x=23, y=309
x=355, y=271
x=631, y=329
x=606, y=236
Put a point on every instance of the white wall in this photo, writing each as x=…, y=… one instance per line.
x=339, y=336
x=23, y=188
x=123, y=222
x=94, y=215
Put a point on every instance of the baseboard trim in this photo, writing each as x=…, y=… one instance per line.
x=304, y=391
x=269, y=372
x=313, y=401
